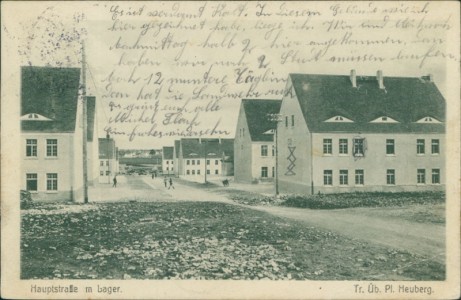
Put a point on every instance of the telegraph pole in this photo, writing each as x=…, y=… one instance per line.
x=85, y=125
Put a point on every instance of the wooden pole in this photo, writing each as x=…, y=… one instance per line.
x=85, y=126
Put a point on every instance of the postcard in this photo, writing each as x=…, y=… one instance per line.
x=230, y=150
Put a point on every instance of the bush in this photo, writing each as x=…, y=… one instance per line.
x=376, y=199
x=26, y=199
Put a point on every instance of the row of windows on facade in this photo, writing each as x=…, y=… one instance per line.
x=197, y=172
x=51, y=181
x=265, y=150
x=101, y=163
x=32, y=148
x=265, y=172
x=359, y=145
x=390, y=177
x=188, y=161
x=168, y=162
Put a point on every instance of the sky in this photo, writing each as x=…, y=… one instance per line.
x=195, y=61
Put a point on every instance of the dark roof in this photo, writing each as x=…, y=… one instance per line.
x=91, y=113
x=155, y=160
x=196, y=148
x=168, y=152
x=52, y=93
x=404, y=99
x=256, y=112
x=107, y=148
x=177, y=144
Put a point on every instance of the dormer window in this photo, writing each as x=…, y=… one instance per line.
x=384, y=119
x=34, y=117
x=339, y=119
x=428, y=120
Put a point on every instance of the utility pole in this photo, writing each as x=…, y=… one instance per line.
x=85, y=125
x=276, y=118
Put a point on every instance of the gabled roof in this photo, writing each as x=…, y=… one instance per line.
x=91, y=113
x=404, y=99
x=256, y=113
x=51, y=93
x=106, y=148
x=168, y=152
x=213, y=148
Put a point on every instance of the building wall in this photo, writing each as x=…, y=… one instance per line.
x=259, y=161
x=298, y=138
x=197, y=168
x=108, y=168
x=242, y=150
x=63, y=165
x=375, y=163
x=168, y=166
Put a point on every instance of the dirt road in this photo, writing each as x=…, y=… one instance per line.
x=417, y=238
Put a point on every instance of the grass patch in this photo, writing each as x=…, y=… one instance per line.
x=349, y=200
x=199, y=240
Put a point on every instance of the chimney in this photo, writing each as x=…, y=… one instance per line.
x=219, y=140
x=379, y=77
x=199, y=140
x=107, y=136
x=431, y=78
x=353, y=78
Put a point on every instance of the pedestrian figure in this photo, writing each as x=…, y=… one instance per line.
x=115, y=181
x=165, y=181
x=171, y=184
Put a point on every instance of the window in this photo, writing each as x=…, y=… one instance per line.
x=107, y=173
x=198, y=172
x=216, y=162
x=216, y=172
x=435, y=176
x=193, y=162
x=52, y=182
x=172, y=162
x=273, y=150
x=52, y=147
x=435, y=146
x=187, y=162
x=358, y=147
x=167, y=162
x=390, y=177
x=264, y=172
x=286, y=121
x=198, y=161
x=101, y=163
x=343, y=146
x=31, y=182
x=359, y=177
x=193, y=172
x=343, y=177
x=292, y=120
x=390, y=147
x=420, y=146
x=107, y=163
x=208, y=162
x=167, y=168
x=263, y=150
x=31, y=147
x=328, y=177
x=327, y=146
x=208, y=172
x=421, y=176
x=101, y=173
x=188, y=172
x=273, y=171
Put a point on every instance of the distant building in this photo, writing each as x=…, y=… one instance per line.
x=361, y=133
x=168, y=161
x=108, y=160
x=52, y=136
x=254, y=141
x=213, y=156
